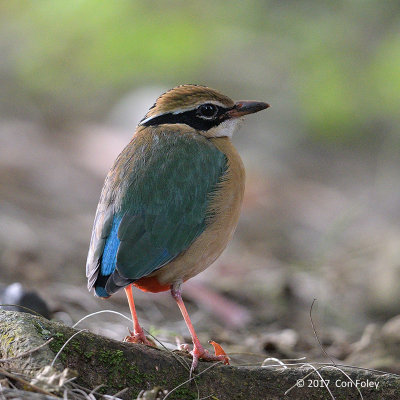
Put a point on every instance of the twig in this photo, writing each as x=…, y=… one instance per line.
x=24, y=382
x=63, y=346
x=351, y=380
x=316, y=370
x=191, y=378
x=101, y=312
x=120, y=392
x=362, y=369
x=179, y=358
x=273, y=359
x=316, y=335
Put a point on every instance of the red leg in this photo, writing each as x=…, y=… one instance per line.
x=198, y=350
x=137, y=336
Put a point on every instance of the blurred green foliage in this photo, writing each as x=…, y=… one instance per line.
x=334, y=66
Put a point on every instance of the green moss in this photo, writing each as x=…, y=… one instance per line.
x=111, y=357
x=88, y=355
x=76, y=346
x=57, y=342
x=122, y=373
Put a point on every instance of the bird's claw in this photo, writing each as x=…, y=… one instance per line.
x=184, y=347
x=205, y=355
x=200, y=353
x=139, y=337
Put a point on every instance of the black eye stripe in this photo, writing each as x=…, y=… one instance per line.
x=190, y=118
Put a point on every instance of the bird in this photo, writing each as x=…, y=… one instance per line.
x=171, y=202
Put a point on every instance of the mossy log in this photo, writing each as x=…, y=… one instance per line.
x=116, y=365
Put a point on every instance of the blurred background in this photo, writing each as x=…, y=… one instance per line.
x=321, y=217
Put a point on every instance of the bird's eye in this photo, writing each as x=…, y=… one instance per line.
x=207, y=111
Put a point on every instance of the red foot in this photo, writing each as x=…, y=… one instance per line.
x=200, y=353
x=139, y=337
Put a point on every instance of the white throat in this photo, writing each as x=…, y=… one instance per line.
x=226, y=128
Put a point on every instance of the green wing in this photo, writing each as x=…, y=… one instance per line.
x=159, y=190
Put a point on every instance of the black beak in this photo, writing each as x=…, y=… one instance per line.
x=246, y=107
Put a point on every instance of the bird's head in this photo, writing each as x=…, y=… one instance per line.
x=204, y=109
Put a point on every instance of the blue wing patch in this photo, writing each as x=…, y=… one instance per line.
x=109, y=258
x=101, y=292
